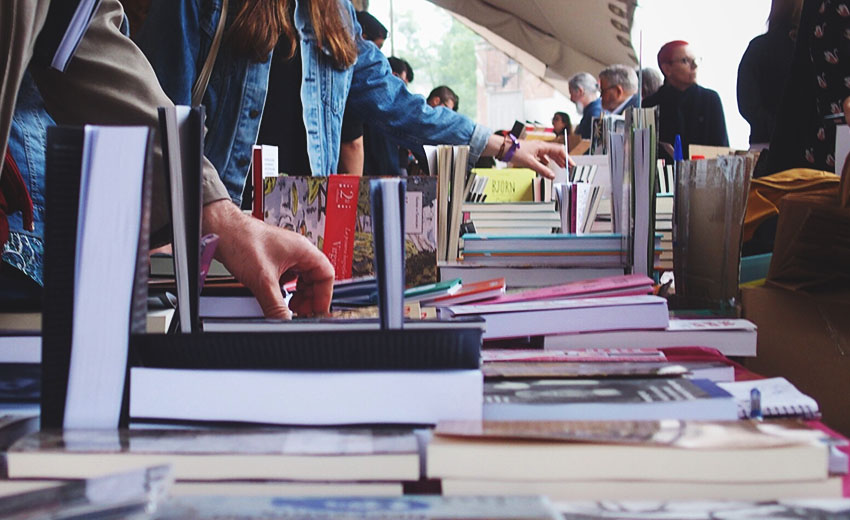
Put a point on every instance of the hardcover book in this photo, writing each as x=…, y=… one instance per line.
x=334, y=213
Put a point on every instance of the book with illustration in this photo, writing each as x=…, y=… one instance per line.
x=334, y=213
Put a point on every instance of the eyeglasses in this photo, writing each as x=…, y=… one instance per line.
x=688, y=62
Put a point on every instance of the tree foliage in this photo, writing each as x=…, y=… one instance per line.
x=450, y=62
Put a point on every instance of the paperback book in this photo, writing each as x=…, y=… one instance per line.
x=334, y=213
x=607, y=399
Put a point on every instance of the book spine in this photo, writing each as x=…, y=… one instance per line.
x=257, y=176
x=341, y=216
x=62, y=194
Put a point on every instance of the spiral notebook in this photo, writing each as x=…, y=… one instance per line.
x=778, y=398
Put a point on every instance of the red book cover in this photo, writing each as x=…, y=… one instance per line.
x=472, y=292
x=340, y=222
x=257, y=179
x=573, y=208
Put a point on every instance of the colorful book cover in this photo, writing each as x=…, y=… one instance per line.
x=319, y=208
x=508, y=184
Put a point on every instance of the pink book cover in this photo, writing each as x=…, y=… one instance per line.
x=624, y=285
x=590, y=355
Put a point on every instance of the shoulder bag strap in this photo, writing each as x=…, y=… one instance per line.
x=200, y=86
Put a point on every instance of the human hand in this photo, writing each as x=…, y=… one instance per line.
x=261, y=256
x=534, y=155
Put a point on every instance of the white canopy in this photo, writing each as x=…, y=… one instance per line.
x=553, y=39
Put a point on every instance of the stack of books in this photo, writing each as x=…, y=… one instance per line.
x=20, y=362
x=556, y=250
x=664, y=227
x=731, y=337
x=499, y=218
x=598, y=305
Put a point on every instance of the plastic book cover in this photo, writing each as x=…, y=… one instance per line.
x=599, y=391
x=739, y=435
x=280, y=441
x=544, y=369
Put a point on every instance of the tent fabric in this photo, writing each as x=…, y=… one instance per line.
x=553, y=39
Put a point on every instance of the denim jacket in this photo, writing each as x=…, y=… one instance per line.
x=177, y=37
x=27, y=143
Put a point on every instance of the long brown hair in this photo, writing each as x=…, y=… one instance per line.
x=259, y=25
x=784, y=15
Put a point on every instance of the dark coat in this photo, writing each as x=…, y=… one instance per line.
x=695, y=113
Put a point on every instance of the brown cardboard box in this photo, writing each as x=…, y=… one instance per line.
x=805, y=337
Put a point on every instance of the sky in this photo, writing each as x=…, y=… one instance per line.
x=718, y=30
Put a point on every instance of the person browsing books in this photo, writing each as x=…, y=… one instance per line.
x=584, y=92
x=336, y=67
x=352, y=151
x=109, y=81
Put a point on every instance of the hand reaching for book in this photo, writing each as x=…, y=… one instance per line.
x=530, y=154
x=262, y=256
x=534, y=154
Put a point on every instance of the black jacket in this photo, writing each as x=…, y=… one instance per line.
x=696, y=114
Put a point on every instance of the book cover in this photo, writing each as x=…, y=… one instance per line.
x=609, y=286
x=607, y=399
x=301, y=204
x=470, y=292
x=600, y=391
x=215, y=454
x=508, y=184
x=589, y=355
x=735, y=435
x=86, y=282
x=578, y=370
x=410, y=507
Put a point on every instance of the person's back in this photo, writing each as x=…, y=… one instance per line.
x=764, y=69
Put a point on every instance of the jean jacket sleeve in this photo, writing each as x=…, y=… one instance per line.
x=384, y=101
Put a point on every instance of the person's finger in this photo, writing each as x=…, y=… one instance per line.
x=559, y=156
x=535, y=164
x=267, y=291
x=312, y=297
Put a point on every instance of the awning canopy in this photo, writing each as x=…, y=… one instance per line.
x=553, y=39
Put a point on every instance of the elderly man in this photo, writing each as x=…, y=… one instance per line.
x=687, y=109
x=584, y=92
x=618, y=86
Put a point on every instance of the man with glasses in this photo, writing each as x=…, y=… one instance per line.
x=618, y=85
x=687, y=109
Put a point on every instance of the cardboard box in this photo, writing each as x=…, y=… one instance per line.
x=805, y=338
